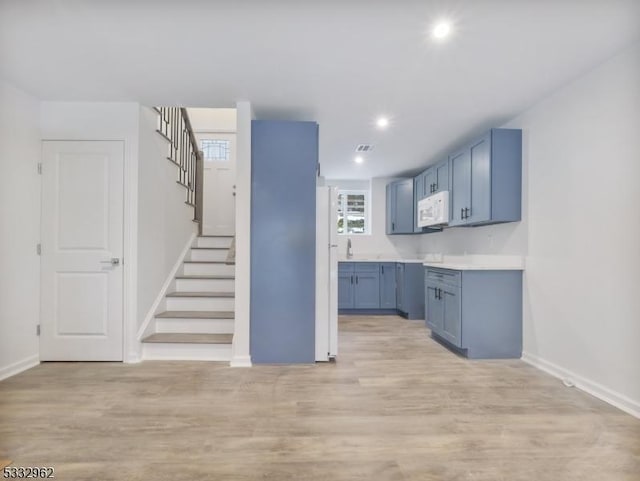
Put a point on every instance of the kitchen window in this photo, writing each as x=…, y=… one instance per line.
x=353, y=212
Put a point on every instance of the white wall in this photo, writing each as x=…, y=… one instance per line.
x=107, y=121
x=213, y=120
x=580, y=232
x=376, y=242
x=582, y=302
x=19, y=230
x=241, y=339
x=165, y=222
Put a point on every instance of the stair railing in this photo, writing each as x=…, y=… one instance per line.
x=174, y=125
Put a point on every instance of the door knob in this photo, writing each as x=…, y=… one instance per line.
x=114, y=261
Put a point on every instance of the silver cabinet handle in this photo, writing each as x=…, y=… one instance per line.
x=114, y=261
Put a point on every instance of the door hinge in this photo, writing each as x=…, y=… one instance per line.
x=38, y=330
x=39, y=249
x=40, y=168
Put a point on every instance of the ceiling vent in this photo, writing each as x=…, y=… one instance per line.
x=364, y=148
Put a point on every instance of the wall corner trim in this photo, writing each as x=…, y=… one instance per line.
x=20, y=366
x=597, y=390
x=163, y=290
x=241, y=361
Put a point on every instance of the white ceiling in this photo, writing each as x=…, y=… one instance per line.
x=340, y=63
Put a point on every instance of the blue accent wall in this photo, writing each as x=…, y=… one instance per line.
x=284, y=157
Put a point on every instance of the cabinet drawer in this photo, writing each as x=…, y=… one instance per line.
x=443, y=276
x=366, y=266
x=345, y=267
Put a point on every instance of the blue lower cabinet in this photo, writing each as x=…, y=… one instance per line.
x=475, y=313
x=434, y=313
x=345, y=290
x=410, y=290
x=388, y=285
x=385, y=287
x=367, y=290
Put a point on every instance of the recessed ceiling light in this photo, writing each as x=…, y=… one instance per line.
x=382, y=122
x=441, y=30
x=359, y=159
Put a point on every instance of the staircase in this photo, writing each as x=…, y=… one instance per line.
x=196, y=318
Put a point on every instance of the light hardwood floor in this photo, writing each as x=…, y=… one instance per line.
x=396, y=406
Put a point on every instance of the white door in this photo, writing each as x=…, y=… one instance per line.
x=219, y=184
x=81, y=313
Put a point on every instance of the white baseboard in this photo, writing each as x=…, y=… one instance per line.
x=133, y=358
x=240, y=361
x=18, y=367
x=151, y=314
x=603, y=393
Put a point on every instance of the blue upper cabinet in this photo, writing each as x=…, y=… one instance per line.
x=430, y=182
x=390, y=208
x=400, y=207
x=433, y=180
x=441, y=173
x=486, y=180
x=425, y=184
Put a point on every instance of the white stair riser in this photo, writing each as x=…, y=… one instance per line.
x=208, y=269
x=214, y=242
x=200, y=303
x=199, y=326
x=209, y=254
x=185, y=352
x=205, y=285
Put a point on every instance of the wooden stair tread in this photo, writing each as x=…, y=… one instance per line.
x=201, y=294
x=189, y=338
x=196, y=315
x=205, y=262
x=196, y=276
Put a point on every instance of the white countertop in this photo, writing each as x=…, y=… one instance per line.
x=458, y=263
x=382, y=258
x=477, y=263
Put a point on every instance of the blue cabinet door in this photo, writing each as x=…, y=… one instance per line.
x=400, y=287
x=367, y=290
x=400, y=207
x=460, y=182
x=388, y=285
x=452, y=318
x=346, y=283
x=441, y=176
x=404, y=207
x=434, y=308
x=480, y=160
x=345, y=290
x=418, y=195
x=430, y=182
x=390, y=208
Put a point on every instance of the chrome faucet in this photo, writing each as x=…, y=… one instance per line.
x=349, y=250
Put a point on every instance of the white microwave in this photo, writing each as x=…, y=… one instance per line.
x=434, y=210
